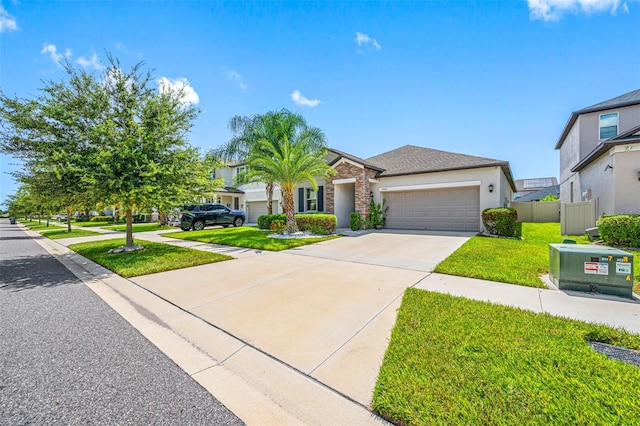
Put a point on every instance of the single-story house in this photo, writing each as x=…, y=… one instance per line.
x=424, y=189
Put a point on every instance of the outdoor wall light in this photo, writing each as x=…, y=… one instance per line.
x=490, y=187
x=609, y=166
x=371, y=194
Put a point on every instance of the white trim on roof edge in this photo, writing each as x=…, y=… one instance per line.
x=345, y=180
x=373, y=180
x=431, y=186
x=346, y=160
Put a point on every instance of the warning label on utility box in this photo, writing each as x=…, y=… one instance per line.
x=623, y=268
x=596, y=268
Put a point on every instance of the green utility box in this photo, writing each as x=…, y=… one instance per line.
x=591, y=268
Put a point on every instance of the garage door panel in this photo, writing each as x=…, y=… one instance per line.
x=438, y=209
x=256, y=209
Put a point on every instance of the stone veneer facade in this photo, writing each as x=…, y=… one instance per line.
x=362, y=186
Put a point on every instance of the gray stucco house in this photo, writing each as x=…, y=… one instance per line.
x=600, y=155
x=424, y=189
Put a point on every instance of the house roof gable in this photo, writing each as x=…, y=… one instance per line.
x=627, y=99
x=353, y=158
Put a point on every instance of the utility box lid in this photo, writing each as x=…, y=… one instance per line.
x=591, y=268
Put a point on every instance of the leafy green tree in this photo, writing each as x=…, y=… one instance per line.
x=249, y=132
x=114, y=139
x=298, y=157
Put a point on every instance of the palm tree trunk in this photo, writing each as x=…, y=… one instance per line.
x=129, y=218
x=269, y=189
x=290, y=211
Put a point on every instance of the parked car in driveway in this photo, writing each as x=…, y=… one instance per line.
x=197, y=216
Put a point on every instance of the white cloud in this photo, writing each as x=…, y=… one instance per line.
x=302, y=101
x=179, y=85
x=52, y=51
x=7, y=22
x=235, y=76
x=552, y=10
x=93, y=62
x=364, y=39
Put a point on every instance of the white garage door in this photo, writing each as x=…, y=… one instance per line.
x=258, y=208
x=447, y=209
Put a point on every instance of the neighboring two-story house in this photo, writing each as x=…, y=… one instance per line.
x=423, y=188
x=600, y=155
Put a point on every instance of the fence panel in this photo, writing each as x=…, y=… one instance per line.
x=575, y=218
x=537, y=212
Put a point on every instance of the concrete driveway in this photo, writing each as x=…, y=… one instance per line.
x=326, y=309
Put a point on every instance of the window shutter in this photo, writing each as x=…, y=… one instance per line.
x=300, y=200
x=320, y=198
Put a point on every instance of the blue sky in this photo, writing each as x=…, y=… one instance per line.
x=494, y=79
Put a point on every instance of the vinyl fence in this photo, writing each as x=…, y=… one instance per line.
x=575, y=218
x=537, y=212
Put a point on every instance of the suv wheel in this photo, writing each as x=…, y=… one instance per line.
x=237, y=222
x=198, y=225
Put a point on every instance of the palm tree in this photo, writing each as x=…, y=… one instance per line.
x=251, y=131
x=297, y=157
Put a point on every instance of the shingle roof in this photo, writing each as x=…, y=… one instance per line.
x=631, y=98
x=410, y=159
x=342, y=154
x=540, y=194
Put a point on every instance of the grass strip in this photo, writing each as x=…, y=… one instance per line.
x=246, y=236
x=139, y=227
x=35, y=226
x=156, y=257
x=56, y=234
x=457, y=361
x=507, y=260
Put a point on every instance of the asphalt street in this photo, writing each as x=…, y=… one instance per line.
x=68, y=358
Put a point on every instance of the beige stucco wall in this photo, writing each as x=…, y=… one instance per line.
x=569, y=157
x=600, y=184
x=627, y=175
x=628, y=118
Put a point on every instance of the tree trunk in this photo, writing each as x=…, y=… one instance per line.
x=129, y=218
x=116, y=214
x=69, y=219
x=269, y=189
x=290, y=211
x=163, y=218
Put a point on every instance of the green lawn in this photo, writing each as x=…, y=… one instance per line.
x=457, y=361
x=156, y=257
x=91, y=224
x=507, y=260
x=56, y=234
x=139, y=227
x=245, y=236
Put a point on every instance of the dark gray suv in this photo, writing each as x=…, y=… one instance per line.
x=197, y=216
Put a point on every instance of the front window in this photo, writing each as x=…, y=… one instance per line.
x=312, y=200
x=608, y=125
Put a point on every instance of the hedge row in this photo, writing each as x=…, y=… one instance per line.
x=620, y=230
x=317, y=223
x=502, y=221
x=101, y=219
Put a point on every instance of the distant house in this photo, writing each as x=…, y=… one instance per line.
x=528, y=186
x=540, y=194
x=600, y=155
x=424, y=189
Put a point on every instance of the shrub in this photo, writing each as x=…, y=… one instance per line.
x=141, y=218
x=82, y=219
x=101, y=219
x=501, y=221
x=620, y=230
x=355, y=221
x=264, y=221
x=278, y=226
x=377, y=213
x=318, y=223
